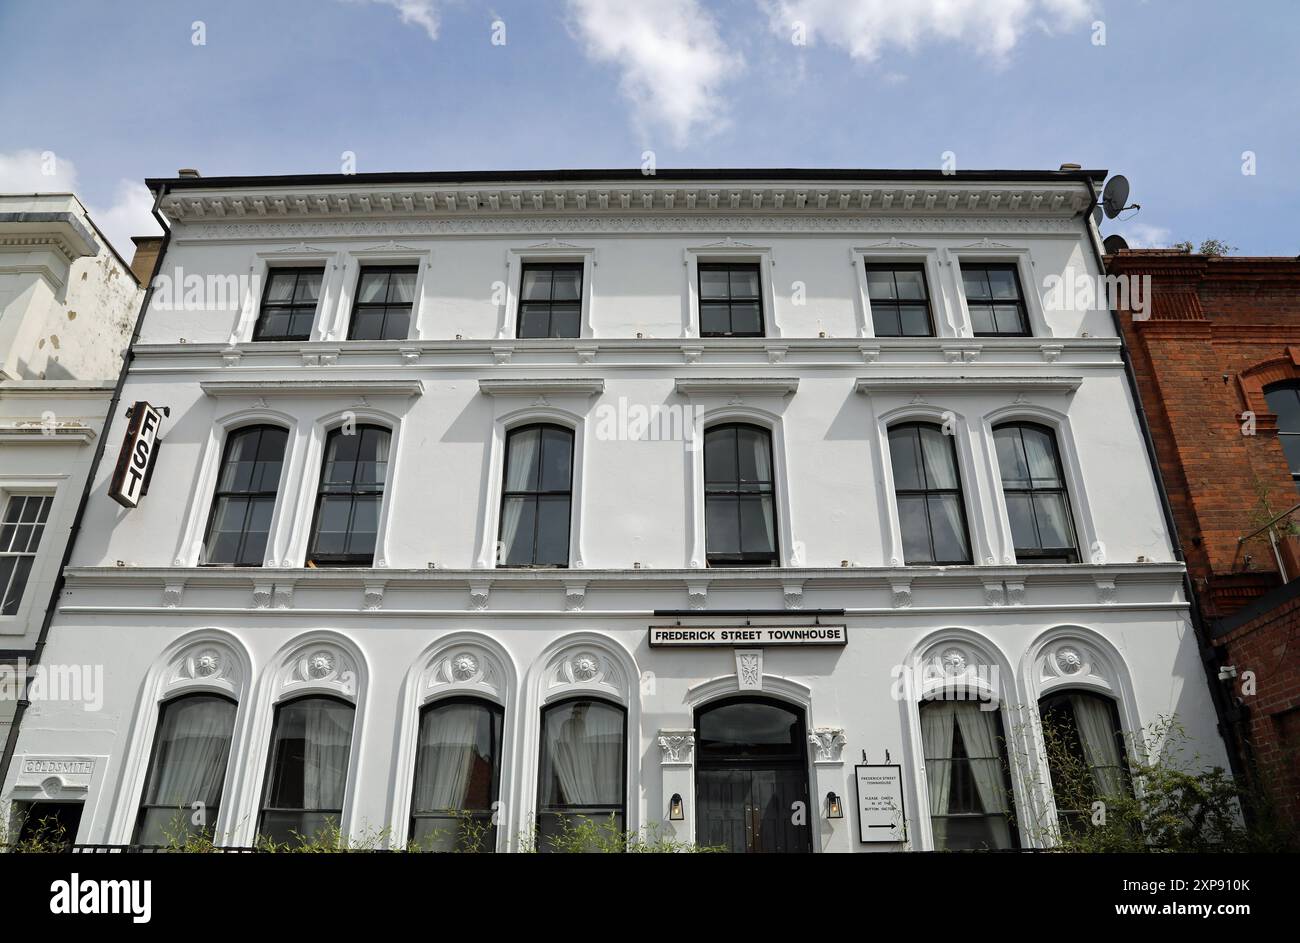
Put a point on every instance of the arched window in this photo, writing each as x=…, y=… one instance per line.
x=351, y=494
x=1085, y=752
x=537, y=500
x=1033, y=483
x=582, y=770
x=966, y=771
x=188, y=766
x=244, y=502
x=457, y=776
x=739, y=497
x=308, y=770
x=927, y=486
x=1284, y=400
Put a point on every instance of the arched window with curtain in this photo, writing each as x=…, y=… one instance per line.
x=537, y=497
x=457, y=776
x=353, y=475
x=967, y=774
x=1033, y=484
x=188, y=766
x=243, y=504
x=927, y=488
x=1086, y=754
x=739, y=497
x=307, y=772
x=1284, y=401
x=582, y=770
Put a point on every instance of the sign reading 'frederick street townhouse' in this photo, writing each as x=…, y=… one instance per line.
x=135, y=461
x=691, y=636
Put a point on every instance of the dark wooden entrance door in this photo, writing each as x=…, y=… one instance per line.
x=751, y=783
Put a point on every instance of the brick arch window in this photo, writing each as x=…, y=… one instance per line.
x=1284, y=402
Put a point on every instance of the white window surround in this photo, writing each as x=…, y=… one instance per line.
x=582, y=664
x=44, y=566
x=320, y=663
x=563, y=403
x=208, y=661
x=190, y=550
x=960, y=656
x=338, y=320
x=461, y=664
x=989, y=252
x=906, y=253
x=728, y=250
x=1091, y=549
x=552, y=251
x=299, y=256
x=713, y=409
x=305, y=506
x=981, y=551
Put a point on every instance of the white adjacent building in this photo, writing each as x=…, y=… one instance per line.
x=679, y=498
x=68, y=305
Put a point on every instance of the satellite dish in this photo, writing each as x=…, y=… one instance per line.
x=1115, y=197
x=1113, y=243
x=1096, y=216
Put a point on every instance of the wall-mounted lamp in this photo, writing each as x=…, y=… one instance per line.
x=676, y=812
x=833, y=808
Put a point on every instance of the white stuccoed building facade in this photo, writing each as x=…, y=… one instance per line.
x=378, y=578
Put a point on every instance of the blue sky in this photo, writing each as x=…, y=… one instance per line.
x=1177, y=93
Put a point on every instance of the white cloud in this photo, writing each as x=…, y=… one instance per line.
x=422, y=13
x=865, y=28
x=672, y=59
x=1144, y=236
x=43, y=172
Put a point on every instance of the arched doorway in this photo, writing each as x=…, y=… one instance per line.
x=751, y=776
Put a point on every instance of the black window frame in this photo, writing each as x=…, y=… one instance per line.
x=896, y=303
x=740, y=559
x=210, y=829
x=967, y=784
x=959, y=491
x=729, y=267
x=596, y=813
x=1042, y=554
x=1292, y=387
x=551, y=303
x=353, y=491
x=263, y=807
x=218, y=493
x=13, y=587
x=477, y=816
x=359, y=306
x=536, y=496
x=1057, y=702
x=292, y=305
x=989, y=302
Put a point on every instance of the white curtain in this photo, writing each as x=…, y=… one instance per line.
x=1095, y=724
x=979, y=732
x=584, y=744
x=327, y=736
x=449, y=745
x=936, y=735
x=520, y=465
x=939, y=466
x=194, y=742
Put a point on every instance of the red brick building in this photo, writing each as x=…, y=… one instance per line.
x=1217, y=360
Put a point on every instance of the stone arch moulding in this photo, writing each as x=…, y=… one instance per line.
x=588, y=664
x=206, y=661
x=971, y=665
x=1252, y=381
x=461, y=664
x=972, y=483
x=1090, y=548
x=305, y=501
x=190, y=548
x=321, y=662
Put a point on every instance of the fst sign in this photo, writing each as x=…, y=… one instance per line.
x=135, y=461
